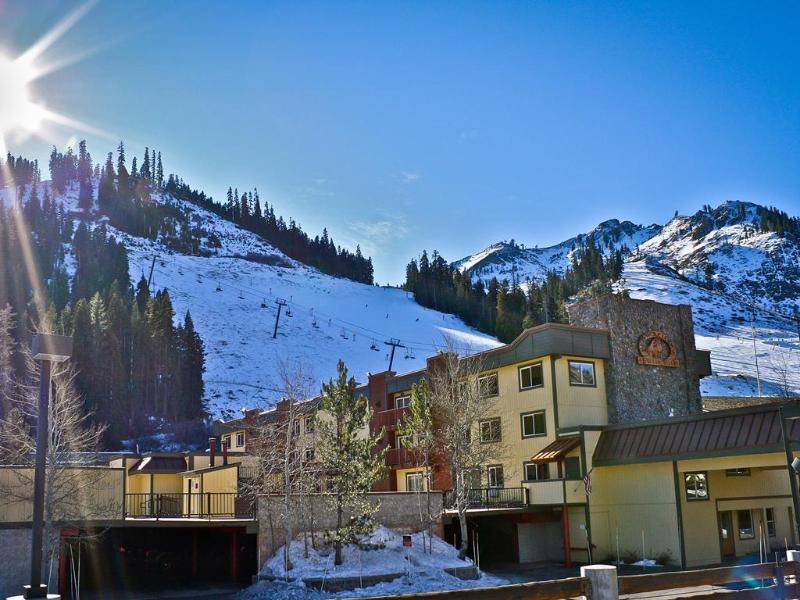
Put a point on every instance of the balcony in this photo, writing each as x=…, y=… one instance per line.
x=555, y=491
x=489, y=498
x=389, y=419
x=188, y=506
x=401, y=457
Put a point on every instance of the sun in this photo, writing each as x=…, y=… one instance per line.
x=17, y=110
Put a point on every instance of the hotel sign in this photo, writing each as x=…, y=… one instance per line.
x=657, y=350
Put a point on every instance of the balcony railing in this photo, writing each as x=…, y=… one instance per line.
x=401, y=457
x=485, y=498
x=208, y=505
x=389, y=419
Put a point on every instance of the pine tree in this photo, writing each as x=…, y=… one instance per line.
x=349, y=456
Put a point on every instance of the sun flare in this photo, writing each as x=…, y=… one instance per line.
x=17, y=110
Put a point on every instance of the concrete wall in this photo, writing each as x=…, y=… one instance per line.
x=638, y=391
x=399, y=511
x=15, y=560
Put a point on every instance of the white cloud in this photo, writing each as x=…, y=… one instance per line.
x=374, y=235
x=409, y=176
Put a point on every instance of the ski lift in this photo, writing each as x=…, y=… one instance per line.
x=199, y=279
x=180, y=271
x=241, y=295
x=219, y=287
x=288, y=311
x=344, y=334
x=314, y=324
x=374, y=347
x=411, y=353
x=264, y=303
x=407, y=356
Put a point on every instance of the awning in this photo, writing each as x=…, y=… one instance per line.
x=555, y=451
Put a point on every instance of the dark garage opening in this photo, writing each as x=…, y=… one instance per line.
x=143, y=559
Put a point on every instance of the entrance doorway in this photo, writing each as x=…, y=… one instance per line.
x=726, y=541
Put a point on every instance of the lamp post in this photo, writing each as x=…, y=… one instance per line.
x=47, y=349
x=785, y=414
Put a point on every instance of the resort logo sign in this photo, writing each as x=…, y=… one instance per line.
x=657, y=350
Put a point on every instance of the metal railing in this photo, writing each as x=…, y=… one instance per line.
x=208, y=505
x=491, y=498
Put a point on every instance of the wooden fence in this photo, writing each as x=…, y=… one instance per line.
x=766, y=581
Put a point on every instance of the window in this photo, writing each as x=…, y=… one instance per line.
x=581, y=373
x=226, y=439
x=495, y=476
x=746, y=530
x=472, y=478
x=403, y=441
x=402, y=401
x=309, y=424
x=696, y=486
x=770, y=521
x=572, y=467
x=488, y=386
x=535, y=472
x=309, y=455
x=530, y=376
x=240, y=439
x=414, y=482
x=490, y=430
x=533, y=424
x=296, y=427
x=737, y=472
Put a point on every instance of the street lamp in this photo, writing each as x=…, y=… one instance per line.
x=791, y=413
x=47, y=349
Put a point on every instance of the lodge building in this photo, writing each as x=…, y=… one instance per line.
x=600, y=447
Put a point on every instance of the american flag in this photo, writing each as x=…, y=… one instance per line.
x=587, y=483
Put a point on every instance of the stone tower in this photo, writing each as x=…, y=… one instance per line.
x=654, y=371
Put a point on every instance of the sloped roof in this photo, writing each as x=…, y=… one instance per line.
x=158, y=464
x=556, y=451
x=754, y=429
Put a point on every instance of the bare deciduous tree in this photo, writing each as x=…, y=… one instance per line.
x=279, y=443
x=72, y=483
x=460, y=401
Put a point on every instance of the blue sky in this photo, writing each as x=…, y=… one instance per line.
x=410, y=125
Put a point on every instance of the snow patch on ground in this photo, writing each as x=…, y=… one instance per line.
x=422, y=571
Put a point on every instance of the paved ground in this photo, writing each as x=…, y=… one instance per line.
x=204, y=593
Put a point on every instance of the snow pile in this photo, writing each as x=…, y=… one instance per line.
x=386, y=555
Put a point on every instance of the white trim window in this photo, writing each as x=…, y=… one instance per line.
x=531, y=376
x=404, y=441
x=536, y=472
x=533, y=424
x=309, y=424
x=403, y=401
x=226, y=439
x=491, y=430
x=240, y=439
x=488, y=386
x=495, y=476
x=582, y=373
x=415, y=482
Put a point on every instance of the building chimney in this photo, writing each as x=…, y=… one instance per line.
x=212, y=450
x=224, y=452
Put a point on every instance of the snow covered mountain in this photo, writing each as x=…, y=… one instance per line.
x=719, y=260
x=507, y=259
x=231, y=286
